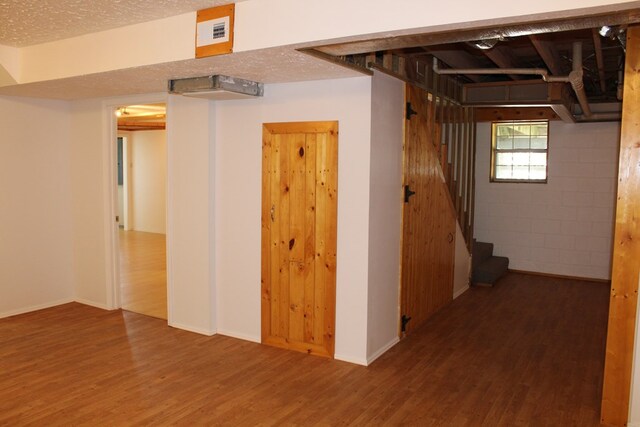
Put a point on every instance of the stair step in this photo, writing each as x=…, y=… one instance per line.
x=481, y=252
x=490, y=270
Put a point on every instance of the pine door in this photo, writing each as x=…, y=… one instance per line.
x=299, y=216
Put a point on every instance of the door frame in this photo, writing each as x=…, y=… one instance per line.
x=110, y=196
x=125, y=221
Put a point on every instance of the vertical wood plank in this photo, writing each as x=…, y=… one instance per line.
x=274, y=213
x=265, y=274
x=297, y=182
x=321, y=220
x=283, y=217
x=331, y=238
x=473, y=184
x=310, y=236
x=626, y=249
x=459, y=153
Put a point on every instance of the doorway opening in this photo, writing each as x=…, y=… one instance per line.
x=141, y=218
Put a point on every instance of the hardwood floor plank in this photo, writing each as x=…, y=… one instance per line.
x=529, y=351
x=143, y=273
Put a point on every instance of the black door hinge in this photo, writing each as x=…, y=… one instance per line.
x=404, y=320
x=408, y=193
x=410, y=111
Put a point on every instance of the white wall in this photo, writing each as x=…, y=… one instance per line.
x=87, y=170
x=190, y=236
x=148, y=167
x=385, y=214
x=35, y=205
x=238, y=178
x=565, y=226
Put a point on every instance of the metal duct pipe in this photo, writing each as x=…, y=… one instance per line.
x=520, y=71
x=525, y=71
x=576, y=80
x=620, y=88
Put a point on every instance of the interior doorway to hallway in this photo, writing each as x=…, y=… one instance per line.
x=141, y=171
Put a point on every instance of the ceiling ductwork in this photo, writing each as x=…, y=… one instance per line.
x=217, y=87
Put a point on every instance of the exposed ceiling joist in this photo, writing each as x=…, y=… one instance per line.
x=549, y=54
x=503, y=58
x=597, y=46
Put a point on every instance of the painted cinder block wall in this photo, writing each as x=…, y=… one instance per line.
x=562, y=227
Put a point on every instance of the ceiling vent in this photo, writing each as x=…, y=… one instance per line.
x=216, y=87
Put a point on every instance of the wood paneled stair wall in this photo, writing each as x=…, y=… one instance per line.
x=457, y=122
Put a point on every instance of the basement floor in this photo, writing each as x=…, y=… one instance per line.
x=529, y=351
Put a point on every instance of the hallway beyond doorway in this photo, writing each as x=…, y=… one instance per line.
x=143, y=273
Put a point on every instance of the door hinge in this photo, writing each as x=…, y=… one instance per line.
x=410, y=111
x=404, y=320
x=408, y=193
x=117, y=218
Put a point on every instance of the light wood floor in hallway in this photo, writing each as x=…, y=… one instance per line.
x=143, y=273
x=529, y=352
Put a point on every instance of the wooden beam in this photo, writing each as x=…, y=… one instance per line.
x=503, y=58
x=597, y=46
x=548, y=53
x=507, y=27
x=626, y=249
x=503, y=114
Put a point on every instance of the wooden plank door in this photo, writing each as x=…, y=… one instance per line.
x=428, y=220
x=299, y=216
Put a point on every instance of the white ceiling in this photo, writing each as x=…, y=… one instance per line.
x=29, y=22
x=274, y=65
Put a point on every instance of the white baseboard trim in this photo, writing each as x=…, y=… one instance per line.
x=194, y=329
x=92, y=304
x=460, y=292
x=382, y=350
x=35, y=307
x=355, y=360
x=240, y=336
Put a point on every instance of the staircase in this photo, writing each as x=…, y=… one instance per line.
x=451, y=123
x=486, y=268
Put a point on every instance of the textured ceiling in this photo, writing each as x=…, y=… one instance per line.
x=274, y=65
x=29, y=22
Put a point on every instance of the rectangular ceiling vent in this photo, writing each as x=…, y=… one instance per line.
x=216, y=87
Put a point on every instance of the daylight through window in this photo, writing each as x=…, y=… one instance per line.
x=519, y=151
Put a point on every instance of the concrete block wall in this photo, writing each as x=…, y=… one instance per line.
x=562, y=227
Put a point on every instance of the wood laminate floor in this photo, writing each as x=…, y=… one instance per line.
x=528, y=352
x=143, y=273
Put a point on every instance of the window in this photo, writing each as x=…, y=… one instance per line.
x=519, y=151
